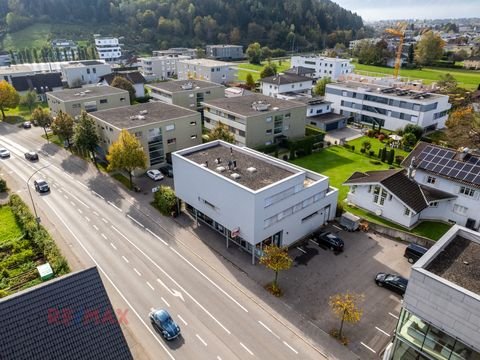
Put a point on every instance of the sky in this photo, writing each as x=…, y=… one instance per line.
x=371, y=10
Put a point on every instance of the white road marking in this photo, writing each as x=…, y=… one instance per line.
x=95, y=227
x=138, y=272
x=219, y=358
x=199, y=338
x=291, y=348
x=71, y=177
x=268, y=329
x=115, y=206
x=73, y=204
x=158, y=237
x=95, y=213
x=382, y=331
x=211, y=281
x=103, y=235
x=246, y=348
x=171, y=291
x=86, y=218
x=54, y=185
x=112, y=245
x=113, y=284
x=165, y=301
x=299, y=248
x=313, y=241
x=85, y=186
x=60, y=191
x=368, y=347
x=182, y=319
x=80, y=211
x=105, y=220
x=336, y=227
x=80, y=201
x=100, y=196
x=65, y=196
x=393, y=315
x=136, y=221
x=150, y=286
x=126, y=260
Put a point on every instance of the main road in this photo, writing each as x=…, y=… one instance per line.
x=145, y=265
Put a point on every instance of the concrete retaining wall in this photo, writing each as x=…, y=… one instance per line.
x=398, y=234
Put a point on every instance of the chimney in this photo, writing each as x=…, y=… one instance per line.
x=410, y=169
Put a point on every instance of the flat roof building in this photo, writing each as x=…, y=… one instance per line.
x=334, y=68
x=78, y=73
x=225, y=52
x=251, y=198
x=160, y=67
x=206, y=69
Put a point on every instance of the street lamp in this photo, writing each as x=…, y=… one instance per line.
x=37, y=218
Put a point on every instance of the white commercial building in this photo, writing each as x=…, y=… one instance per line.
x=160, y=67
x=108, y=48
x=78, y=73
x=206, y=69
x=251, y=198
x=286, y=84
x=334, y=68
x=390, y=107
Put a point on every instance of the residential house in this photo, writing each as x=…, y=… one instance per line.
x=41, y=83
x=302, y=71
x=78, y=73
x=250, y=198
x=334, y=68
x=472, y=63
x=108, y=48
x=135, y=77
x=180, y=51
x=320, y=114
x=206, y=69
x=286, y=84
x=225, y=52
x=160, y=67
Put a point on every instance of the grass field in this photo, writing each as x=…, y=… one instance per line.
x=246, y=68
x=9, y=229
x=376, y=145
x=22, y=113
x=469, y=79
x=34, y=36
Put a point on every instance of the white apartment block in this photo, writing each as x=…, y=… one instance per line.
x=108, y=48
x=206, y=69
x=225, y=52
x=286, y=84
x=160, y=67
x=179, y=51
x=390, y=107
x=77, y=73
x=334, y=68
x=252, y=199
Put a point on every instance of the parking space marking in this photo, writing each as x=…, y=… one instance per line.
x=95, y=227
x=103, y=235
x=246, y=348
x=268, y=329
x=299, y=248
x=126, y=260
x=199, y=338
x=368, y=347
x=384, y=332
x=393, y=315
x=138, y=272
x=165, y=301
x=150, y=286
x=291, y=348
x=313, y=241
x=182, y=319
x=111, y=244
x=336, y=227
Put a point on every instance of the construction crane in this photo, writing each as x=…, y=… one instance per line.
x=399, y=32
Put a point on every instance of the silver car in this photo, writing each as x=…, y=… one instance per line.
x=4, y=153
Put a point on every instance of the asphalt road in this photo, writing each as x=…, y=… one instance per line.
x=144, y=266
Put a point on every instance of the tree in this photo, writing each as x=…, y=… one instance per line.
x=346, y=308
x=85, y=135
x=9, y=97
x=413, y=129
x=250, y=82
x=126, y=154
x=62, y=126
x=276, y=259
x=221, y=132
x=42, y=118
x=429, y=48
x=122, y=83
x=463, y=128
x=254, y=53
x=409, y=140
x=447, y=83
x=269, y=69
x=411, y=54
x=29, y=99
x=366, y=144
x=320, y=86
x=265, y=52
x=165, y=200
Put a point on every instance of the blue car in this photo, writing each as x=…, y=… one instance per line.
x=163, y=322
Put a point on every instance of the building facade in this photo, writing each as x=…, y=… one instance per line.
x=41, y=83
x=108, y=48
x=390, y=107
x=67, y=49
x=286, y=84
x=160, y=128
x=256, y=119
x=334, y=68
x=441, y=308
x=5, y=58
x=224, y=52
x=74, y=101
x=206, y=69
x=251, y=198
x=78, y=73
x=160, y=67
x=320, y=115
x=186, y=93
x=134, y=77
x=180, y=51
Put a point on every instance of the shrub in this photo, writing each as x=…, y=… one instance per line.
x=165, y=200
x=3, y=186
x=371, y=153
x=371, y=133
x=352, y=147
x=413, y=129
x=285, y=157
x=375, y=162
x=381, y=137
x=398, y=159
x=346, y=146
x=339, y=211
x=362, y=150
x=384, y=154
x=390, y=156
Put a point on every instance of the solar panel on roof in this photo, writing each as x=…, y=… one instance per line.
x=443, y=161
x=470, y=177
x=458, y=165
x=428, y=157
x=441, y=152
x=467, y=167
x=437, y=168
x=453, y=173
x=430, y=166
x=433, y=151
x=462, y=175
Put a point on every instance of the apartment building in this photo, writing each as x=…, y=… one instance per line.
x=256, y=119
x=206, y=69
x=160, y=67
x=186, y=93
x=179, y=51
x=334, y=68
x=250, y=198
x=160, y=128
x=286, y=84
x=78, y=73
x=108, y=48
x=5, y=58
x=225, y=52
x=134, y=77
x=320, y=114
x=74, y=101
x=441, y=308
x=390, y=107
x=67, y=49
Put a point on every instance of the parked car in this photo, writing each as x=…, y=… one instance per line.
x=163, y=322
x=27, y=125
x=41, y=186
x=4, y=153
x=349, y=222
x=413, y=252
x=333, y=242
x=393, y=282
x=155, y=175
x=31, y=155
x=167, y=170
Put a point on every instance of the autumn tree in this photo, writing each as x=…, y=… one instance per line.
x=9, y=97
x=277, y=259
x=447, y=83
x=463, y=128
x=29, y=99
x=42, y=118
x=250, y=82
x=126, y=154
x=62, y=126
x=122, y=83
x=320, y=86
x=221, y=132
x=165, y=200
x=269, y=69
x=254, y=53
x=346, y=308
x=85, y=135
x=429, y=48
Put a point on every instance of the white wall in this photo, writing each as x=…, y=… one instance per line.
x=221, y=74
x=273, y=90
x=314, y=110
x=323, y=66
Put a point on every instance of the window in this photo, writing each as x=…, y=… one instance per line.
x=353, y=188
x=193, y=137
x=138, y=134
x=467, y=191
x=309, y=216
x=268, y=132
x=103, y=101
x=431, y=180
x=241, y=133
x=75, y=106
x=88, y=71
x=268, y=119
x=207, y=92
x=193, y=123
x=122, y=99
x=170, y=127
x=406, y=212
x=459, y=209
x=433, y=204
x=94, y=70
x=287, y=116
x=171, y=141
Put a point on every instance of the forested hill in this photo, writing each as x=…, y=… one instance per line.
x=307, y=24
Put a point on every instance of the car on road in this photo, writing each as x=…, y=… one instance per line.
x=4, y=153
x=155, y=175
x=332, y=241
x=31, y=155
x=393, y=282
x=163, y=322
x=41, y=186
x=27, y=125
x=167, y=170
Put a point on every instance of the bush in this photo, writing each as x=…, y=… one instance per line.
x=165, y=201
x=381, y=137
x=346, y=146
x=339, y=211
x=285, y=157
x=384, y=154
x=3, y=186
x=371, y=153
x=352, y=147
x=371, y=133
x=413, y=129
x=398, y=159
x=390, y=156
x=362, y=150
x=375, y=162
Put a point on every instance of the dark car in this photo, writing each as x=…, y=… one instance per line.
x=163, y=322
x=333, y=242
x=413, y=252
x=41, y=186
x=31, y=155
x=27, y=125
x=393, y=282
x=167, y=170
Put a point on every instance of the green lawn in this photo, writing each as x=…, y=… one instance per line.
x=246, y=68
x=34, y=36
x=22, y=113
x=9, y=229
x=376, y=145
x=466, y=78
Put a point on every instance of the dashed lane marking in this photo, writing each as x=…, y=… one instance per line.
x=247, y=349
x=291, y=348
x=368, y=347
x=299, y=248
x=202, y=341
x=150, y=286
x=182, y=320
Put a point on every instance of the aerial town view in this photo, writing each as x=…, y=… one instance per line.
x=235, y=180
